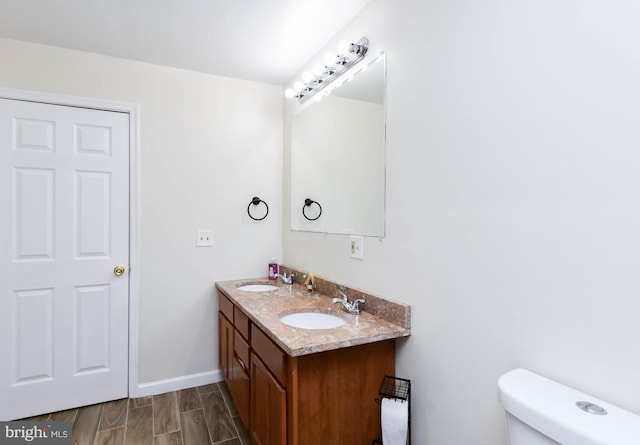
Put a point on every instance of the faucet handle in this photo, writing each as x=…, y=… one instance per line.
x=356, y=304
x=287, y=279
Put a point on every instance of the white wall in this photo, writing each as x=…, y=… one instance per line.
x=513, y=202
x=208, y=145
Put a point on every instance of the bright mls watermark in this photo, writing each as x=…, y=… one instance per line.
x=40, y=433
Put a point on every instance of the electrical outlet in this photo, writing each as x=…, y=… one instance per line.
x=204, y=238
x=356, y=244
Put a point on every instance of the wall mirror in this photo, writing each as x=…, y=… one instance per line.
x=338, y=156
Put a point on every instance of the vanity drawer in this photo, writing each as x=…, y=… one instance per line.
x=269, y=353
x=225, y=306
x=240, y=383
x=241, y=349
x=241, y=322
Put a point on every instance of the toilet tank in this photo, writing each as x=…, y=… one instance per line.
x=541, y=411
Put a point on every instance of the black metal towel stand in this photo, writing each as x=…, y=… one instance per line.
x=398, y=389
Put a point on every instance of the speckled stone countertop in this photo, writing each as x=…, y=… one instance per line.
x=265, y=309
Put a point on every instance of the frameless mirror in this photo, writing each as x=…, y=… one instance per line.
x=337, y=157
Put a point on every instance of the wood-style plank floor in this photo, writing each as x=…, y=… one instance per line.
x=196, y=416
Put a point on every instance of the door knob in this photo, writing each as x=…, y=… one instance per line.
x=118, y=270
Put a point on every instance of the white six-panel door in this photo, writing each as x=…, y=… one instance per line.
x=64, y=227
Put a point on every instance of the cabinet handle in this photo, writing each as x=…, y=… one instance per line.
x=242, y=364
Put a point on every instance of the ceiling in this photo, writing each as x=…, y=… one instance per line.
x=261, y=40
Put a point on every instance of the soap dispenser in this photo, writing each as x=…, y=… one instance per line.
x=273, y=269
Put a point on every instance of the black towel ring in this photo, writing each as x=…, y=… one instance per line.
x=307, y=203
x=256, y=201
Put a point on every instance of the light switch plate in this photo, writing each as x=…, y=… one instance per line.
x=356, y=245
x=204, y=238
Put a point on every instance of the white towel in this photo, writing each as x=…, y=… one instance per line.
x=395, y=421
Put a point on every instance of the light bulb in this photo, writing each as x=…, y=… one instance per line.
x=298, y=86
x=343, y=47
x=330, y=59
x=307, y=76
x=290, y=93
x=317, y=69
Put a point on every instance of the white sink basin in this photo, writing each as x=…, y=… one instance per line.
x=257, y=287
x=312, y=320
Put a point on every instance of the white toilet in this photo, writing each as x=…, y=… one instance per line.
x=543, y=412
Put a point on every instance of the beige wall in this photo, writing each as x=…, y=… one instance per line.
x=208, y=144
x=513, y=202
x=516, y=124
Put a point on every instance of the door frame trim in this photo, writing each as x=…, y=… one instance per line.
x=133, y=110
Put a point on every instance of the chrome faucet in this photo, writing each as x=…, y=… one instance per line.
x=286, y=279
x=352, y=308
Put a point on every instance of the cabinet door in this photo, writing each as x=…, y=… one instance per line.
x=239, y=384
x=225, y=346
x=268, y=406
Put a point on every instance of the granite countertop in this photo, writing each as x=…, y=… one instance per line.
x=264, y=309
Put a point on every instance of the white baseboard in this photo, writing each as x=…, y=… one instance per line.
x=177, y=383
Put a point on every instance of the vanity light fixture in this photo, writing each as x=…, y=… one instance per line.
x=334, y=66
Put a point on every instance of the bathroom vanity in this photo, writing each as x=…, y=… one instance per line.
x=301, y=386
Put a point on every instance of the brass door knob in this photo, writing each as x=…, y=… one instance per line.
x=118, y=270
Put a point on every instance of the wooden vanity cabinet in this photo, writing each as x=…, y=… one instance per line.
x=268, y=406
x=234, y=357
x=225, y=345
x=268, y=393
x=239, y=383
x=326, y=397
x=332, y=394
